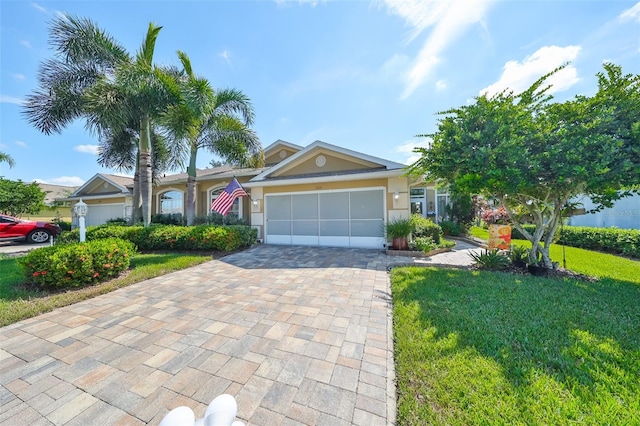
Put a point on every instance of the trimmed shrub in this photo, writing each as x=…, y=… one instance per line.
x=78, y=264
x=516, y=235
x=168, y=219
x=452, y=228
x=171, y=237
x=611, y=240
x=423, y=227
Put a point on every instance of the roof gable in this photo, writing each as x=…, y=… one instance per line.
x=104, y=184
x=279, y=151
x=321, y=158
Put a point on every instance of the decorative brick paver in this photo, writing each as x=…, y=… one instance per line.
x=299, y=335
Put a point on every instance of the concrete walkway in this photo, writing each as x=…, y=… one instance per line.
x=299, y=335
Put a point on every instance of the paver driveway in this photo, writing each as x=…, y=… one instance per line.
x=296, y=334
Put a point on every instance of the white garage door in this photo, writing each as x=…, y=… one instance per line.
x=98, y=214
x=352, y=218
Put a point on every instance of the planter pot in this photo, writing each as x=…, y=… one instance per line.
x=499, y=237
x=400, y=243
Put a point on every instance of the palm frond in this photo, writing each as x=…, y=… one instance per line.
x=186, y=63
x=79, y=40
x=145, y=54
x=234, y=102
x=6, y=158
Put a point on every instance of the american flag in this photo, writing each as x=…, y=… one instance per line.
x=223, y=202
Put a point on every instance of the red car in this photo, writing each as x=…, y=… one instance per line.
x=14, y=229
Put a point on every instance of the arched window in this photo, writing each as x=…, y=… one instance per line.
x=171, y=202
x=236, y=209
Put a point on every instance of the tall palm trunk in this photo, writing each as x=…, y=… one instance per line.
x=145, y=169
x=191, y=186
x=136, y=211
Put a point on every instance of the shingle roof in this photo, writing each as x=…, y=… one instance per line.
x=55, y=191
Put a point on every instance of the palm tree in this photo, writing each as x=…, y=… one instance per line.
x=216, y=121
x=6, y=158
x=94, y=78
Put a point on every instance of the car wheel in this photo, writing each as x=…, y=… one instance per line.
x=38, y=236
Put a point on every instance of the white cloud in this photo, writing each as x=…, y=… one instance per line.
x=632, y=13
x=312, y=3
x=63, y=180
x=21, y=144
x=87, y=149
x=19, y=77
x=441, y=85
x=226, y=55
x=40, y=8
x=408, y=147
x=518, y=76
x=449, y=20
x=26, y=43
x=10, y=100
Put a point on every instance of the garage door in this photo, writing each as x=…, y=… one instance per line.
x=352, y=218
x=98, y=214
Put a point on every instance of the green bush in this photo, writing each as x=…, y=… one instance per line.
x=64, y=225
x=518, y=254
x=423, y=227
x=492, y=260
x=398, y=228
x=77, y=264
x=168, y=219
x=611, y=240
x=171, y=237
x=452, y=228
x=423, y=244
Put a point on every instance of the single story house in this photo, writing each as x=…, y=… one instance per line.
x=320, y=194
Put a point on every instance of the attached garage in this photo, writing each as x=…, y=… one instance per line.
x=338, y=218
x=98, y=214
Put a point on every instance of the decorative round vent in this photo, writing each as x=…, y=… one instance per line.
x=283, y=153
x=321, y=161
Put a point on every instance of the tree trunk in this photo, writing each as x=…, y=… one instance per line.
x=136, y=211
x=145, y=169
x=191, y=188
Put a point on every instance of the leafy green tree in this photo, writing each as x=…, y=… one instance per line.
x=534, y=155
x=6, y=158
x=18, y=198
x=92, y=77
x=216, y=121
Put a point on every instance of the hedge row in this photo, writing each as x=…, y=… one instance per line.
x=167, y=237
x=610, y=240
x=77, y=264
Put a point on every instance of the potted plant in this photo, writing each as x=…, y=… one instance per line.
x=398, y=230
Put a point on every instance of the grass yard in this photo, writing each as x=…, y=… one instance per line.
x=586, y=262
x=17, y=303
x=475, y=347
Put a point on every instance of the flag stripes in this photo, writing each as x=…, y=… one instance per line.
x=223, y=202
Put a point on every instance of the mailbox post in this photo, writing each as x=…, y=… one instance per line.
x=81, y=209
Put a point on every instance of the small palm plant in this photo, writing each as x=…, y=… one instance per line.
x=492, y=260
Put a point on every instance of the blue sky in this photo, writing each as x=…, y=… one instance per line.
x=365, y=75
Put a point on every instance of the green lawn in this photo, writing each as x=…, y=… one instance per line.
x=477, y=347
x=17, y=303
x=584, y=261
